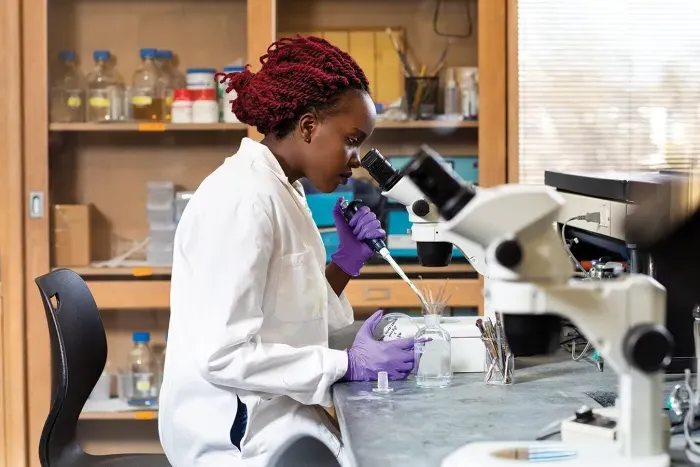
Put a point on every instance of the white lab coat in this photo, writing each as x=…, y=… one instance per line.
x=251, y=310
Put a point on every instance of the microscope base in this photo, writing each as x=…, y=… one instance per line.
x=555, y=454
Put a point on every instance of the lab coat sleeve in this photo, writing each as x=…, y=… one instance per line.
x=340, y=313
x=233, y=253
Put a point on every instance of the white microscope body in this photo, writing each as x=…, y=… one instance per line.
x=426, y=223
x=530, y=273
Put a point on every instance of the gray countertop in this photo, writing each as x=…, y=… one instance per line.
x=413, y=427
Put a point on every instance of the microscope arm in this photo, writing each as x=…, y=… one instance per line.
x=427, y=226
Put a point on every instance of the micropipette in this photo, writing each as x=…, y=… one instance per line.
x=378, y=245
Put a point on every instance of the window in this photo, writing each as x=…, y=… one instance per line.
x=607, y=85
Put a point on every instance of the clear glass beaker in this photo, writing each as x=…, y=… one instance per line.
x=394, y=326
x=433, y=355
x=499, y=363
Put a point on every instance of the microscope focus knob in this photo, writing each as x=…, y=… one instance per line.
x=509, y=253
x=648, y=347
x=420, y=208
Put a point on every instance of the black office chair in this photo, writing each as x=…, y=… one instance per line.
x=303, y=450
x=78, y=357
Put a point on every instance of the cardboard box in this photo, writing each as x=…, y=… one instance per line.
x=71, y=235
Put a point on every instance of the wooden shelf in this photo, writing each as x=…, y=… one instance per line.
x=129, y=294
x=427, y=125
x=146, y=127
x=135, y=415
x=371, y=269
x=159, y=127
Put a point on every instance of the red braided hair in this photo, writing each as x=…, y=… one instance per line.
x=298, y=75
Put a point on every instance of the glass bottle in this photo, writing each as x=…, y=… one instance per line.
x=433, y=354
x=166, y=82
x=105, y=90
x=167, y=65
x=451, y=100
x=146, y=93
x=142, y=368
x=68, y=91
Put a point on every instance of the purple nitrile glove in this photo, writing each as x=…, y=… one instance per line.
x=368, y=356
x=352, y=251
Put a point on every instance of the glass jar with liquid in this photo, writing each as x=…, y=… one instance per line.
x=142, y=368
x=68, y=91
x=169, y=80
x=433, y=354
x=105, y=90
x=146, y=91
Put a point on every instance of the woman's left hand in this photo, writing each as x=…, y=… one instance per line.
x=352, y=251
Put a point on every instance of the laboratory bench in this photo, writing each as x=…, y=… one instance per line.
x=413, y=427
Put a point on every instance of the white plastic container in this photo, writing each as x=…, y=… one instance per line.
x=161, y=214
x=181, y=111
x=205, y=108
x=181, y=200
x=159, y=255
x=468, y=78
x=162, y=235
x=468, y=352
x=201, y=78
x=160, y=192
x=226, y=98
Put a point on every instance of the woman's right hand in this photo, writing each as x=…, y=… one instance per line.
x=368, y=356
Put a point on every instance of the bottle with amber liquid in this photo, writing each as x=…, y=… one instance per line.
x=146, y=92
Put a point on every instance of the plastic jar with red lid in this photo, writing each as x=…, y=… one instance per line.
x=181, y=111
x=205, y=108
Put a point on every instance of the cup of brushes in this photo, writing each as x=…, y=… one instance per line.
x=499, y=359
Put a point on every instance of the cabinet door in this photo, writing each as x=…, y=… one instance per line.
x=13, y=448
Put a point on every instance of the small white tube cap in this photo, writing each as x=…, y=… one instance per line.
x=383, y=382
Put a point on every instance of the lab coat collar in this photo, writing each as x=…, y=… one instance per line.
x=261, y=154
x=258, y=153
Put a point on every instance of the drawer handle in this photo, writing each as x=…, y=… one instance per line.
x=377, y=293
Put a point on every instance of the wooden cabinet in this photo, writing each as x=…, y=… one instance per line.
x=108, y=166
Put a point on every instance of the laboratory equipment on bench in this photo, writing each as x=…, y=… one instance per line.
x=530, y=273
x=379, y=246
x=500, y=362
x=609, y=198
x=434, y=244
x=397, y=222
x=433, y=354
x=383, y=383
x=528, y=335
x=468, y=353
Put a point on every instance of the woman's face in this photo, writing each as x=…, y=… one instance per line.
x=332, y=146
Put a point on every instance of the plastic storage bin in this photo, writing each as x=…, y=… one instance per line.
x=160, y=193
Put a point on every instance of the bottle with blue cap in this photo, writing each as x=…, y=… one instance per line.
x=142, y=368
x=67, y=91
x=169, y=80
x=146, y=92
x=105, y=90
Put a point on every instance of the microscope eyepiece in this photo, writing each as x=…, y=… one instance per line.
x=441, y=186
x=380, y=169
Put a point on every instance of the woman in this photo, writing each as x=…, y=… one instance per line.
x=252, y=301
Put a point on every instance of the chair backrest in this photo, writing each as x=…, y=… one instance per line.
x=78, y=357
x=303, y=449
